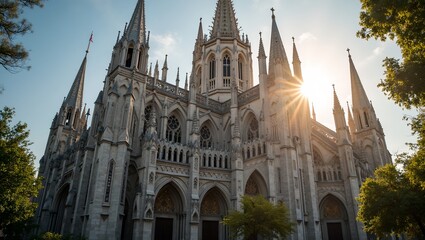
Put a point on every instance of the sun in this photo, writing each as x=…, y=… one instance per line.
x=316, y=85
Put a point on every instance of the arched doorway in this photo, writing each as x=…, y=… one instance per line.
x=58, y=215
x=169, y=215
x=334, y=219
x=213, y=209
x=130, y=194
x=255, y=185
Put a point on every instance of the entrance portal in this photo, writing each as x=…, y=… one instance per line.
x=335, y=231
x=163, y=229
x=210, y=230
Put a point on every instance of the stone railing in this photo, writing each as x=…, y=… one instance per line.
x=173, y=152
x=249, y=95
x=167, y=89
x=254, y=148
x=218, y=159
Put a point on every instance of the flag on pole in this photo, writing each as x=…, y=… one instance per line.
x=90, y=41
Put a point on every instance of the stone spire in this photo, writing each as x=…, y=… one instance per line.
x=225, y=23
x=278, y=62
x=360, y=99
x=75, y=95
x=200, y=37
x=351, y=123
x=197, y=51
x=261, y=52
x=337, y=104
x=340, y=123
x=165, y=69
x=136, y=30
x=296, y=63
x=262, y=64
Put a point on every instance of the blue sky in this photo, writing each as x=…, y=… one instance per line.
x=323, y=30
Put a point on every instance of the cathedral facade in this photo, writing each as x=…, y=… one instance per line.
x=160, y=161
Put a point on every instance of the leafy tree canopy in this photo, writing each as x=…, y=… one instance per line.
x=259, y=218
x=390, y=204
x=18, y=183
x=13, y=55
x=402, y=21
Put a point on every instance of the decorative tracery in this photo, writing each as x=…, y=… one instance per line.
x=174, y=130
x=253, y=129
x=205, y=137
x=251, y=187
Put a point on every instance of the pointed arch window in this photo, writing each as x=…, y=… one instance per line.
x=253, y=129
x=240, y=68
x=68, y=118
x=173, y=130
x=205, y=137
x=129, y=56
x=148, y=111
x=109, y=181
x=365, y=119
x=226, y=66
x=212, y=68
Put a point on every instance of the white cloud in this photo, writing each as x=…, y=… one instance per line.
x=165, y=44
x=307, y=36
x=378, y=51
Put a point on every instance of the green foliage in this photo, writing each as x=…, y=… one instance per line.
x=259, y=218
x=402, y=21
x=390, y=204
x=18, y=183
x=51, y=236
x=57, y=236
x=13, y=55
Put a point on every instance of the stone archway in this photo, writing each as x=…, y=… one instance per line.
x=213, y=209
x=169, y=216
x=255, y=185
x=128, y=201
x=333, y=218
x=59, y=213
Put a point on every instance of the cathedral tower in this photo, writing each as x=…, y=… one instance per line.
x=225, y=55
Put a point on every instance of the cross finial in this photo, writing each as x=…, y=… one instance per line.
x=200, y=19
x=260, y=34
x=348, y=50
x=293, y=40
x=272, y=9
x=333, y=86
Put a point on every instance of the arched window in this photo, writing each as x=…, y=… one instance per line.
x=212, y=69
x=226, y=66
x=253, y=129
x=174, y=130
x=366, y=120
x=68, y=118
x=109, y=181
x=129, y=56
x=148, y=111
x=240, y=69
x=205, y=137
x=211, y=82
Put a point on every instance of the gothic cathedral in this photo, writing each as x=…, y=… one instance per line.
x=160, y=161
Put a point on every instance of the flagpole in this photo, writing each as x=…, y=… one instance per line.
x=90, y=41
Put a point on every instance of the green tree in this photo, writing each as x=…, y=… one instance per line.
x=13, y=55
x=402, y=21
x=390, y=204
x=18, y=183
x=259, y=218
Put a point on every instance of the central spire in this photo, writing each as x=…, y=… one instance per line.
x=136, y=30
x=225, y=23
